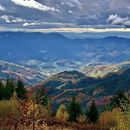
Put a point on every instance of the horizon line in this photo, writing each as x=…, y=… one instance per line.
x=69, y=30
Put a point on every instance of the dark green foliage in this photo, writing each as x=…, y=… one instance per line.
x=1, y=90
x=121, y=101
x=20, y=90
x=9, y=89
x=74, y=110
x=93, y=114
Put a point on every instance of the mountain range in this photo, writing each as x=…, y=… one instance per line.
x=53, y=53
x=63, y=86
x=87, y=68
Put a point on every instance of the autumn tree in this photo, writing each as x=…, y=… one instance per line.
x=62, y=113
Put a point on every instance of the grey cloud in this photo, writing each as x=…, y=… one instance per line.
x=72, y=13
x=117, y=20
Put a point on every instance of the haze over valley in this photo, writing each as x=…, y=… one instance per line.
x=52, y=53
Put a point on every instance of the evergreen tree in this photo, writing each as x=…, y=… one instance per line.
x=20, y=90
x=121, y=100
x=74, y=110
x=1, y=90
x=93, y=114
x=9, y=89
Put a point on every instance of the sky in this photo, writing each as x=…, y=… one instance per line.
x=65, y=15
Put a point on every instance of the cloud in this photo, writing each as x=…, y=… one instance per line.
x=69, y=30
x=29, y=24
x=2, y=8
x=11, y=19
x=39, y=24
x=36, y=14
x=71, y=3
x=117, y=20
x=33, y=4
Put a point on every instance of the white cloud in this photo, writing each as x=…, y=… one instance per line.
x=117, y=20
x=29, y=24
x=11, y=19
x=71, y=12
x=49, y=24
x=2, y=8
x=33, y=4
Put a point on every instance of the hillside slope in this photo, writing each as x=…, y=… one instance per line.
x=15, y=71
x=63, y=86
x=103, y=70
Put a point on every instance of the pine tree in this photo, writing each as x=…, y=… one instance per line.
x=93, y=114
x=20, y=90
x=74, y=110
x=9, y=89
x=121, y=100
x=1, y=90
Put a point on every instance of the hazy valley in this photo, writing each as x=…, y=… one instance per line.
x=53, y=53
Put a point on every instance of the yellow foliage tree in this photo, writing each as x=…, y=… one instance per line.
x=9, y=113
x=37, y=114
x=62, y=113
x=115, y=120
